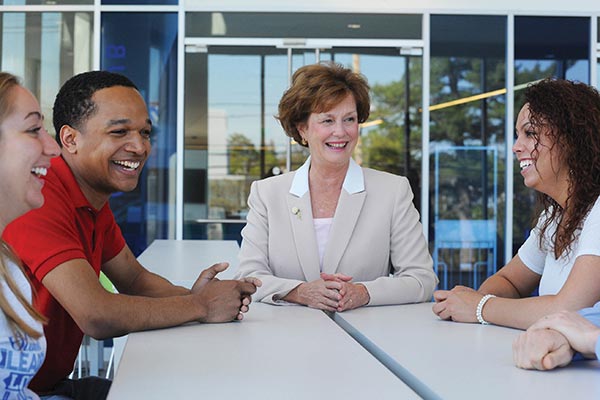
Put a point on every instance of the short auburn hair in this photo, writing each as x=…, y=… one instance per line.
x=318, y=88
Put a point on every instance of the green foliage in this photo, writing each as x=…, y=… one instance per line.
x=244, y=167
x=384, y=147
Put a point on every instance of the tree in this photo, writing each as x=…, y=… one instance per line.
x=243, y=156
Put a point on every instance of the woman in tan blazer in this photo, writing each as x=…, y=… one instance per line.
x=333, y=235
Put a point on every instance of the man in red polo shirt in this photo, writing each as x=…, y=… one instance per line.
x=104, y=130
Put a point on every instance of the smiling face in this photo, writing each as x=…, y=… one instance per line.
x=25, y=153
x=332, y=135
x=107, y=153
x=541, y=167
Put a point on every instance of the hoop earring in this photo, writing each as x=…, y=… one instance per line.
x=303, y=142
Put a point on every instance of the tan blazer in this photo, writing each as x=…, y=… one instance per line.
x=375, y=233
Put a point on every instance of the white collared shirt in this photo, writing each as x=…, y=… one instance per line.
x=354, y=182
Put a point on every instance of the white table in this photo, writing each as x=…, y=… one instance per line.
x=274, y=353
x=447, y=360
x=181, y=261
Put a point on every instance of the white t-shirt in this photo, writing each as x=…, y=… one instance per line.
x=556, y=271
x=19, y=359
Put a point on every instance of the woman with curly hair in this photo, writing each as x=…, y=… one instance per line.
x=558, y=148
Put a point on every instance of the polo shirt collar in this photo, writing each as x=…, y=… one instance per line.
x=354, y=181
x=66, y=177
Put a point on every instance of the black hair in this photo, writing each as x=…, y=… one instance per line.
x=73, y=104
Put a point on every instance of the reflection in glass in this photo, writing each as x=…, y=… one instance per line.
x=141, y=2
x=44, y=2
x=466, y=247
x=143, y=46
x=544, y=47
x=231, y=135
x=46, y=49
x=467, y=133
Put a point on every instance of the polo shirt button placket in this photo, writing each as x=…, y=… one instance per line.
x=93, y=215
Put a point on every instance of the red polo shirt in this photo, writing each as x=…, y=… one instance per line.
x=65, y=228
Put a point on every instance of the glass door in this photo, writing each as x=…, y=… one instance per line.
x=232, y=137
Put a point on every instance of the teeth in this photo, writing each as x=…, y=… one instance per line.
x=39, y=171
x=336, y=145
x=132, y=165
x=525, y=163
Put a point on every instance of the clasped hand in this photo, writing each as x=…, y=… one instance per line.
x=458, y=304
x=333, y=292
x=226, y=300
x=552, y=341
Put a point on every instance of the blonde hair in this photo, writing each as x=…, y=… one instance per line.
x=7, y=83
x=14, y=319
x=17, y=324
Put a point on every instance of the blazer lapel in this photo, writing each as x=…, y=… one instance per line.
x=303, y=231
x=344, y=222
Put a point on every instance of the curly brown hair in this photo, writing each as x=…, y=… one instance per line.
x=570, y=113
x=318, y=88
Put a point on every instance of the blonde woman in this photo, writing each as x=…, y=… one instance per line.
x=25, y=153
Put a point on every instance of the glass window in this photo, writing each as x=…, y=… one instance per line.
x=143, y=46
x=304, y=25
x=467, y=129
x=544, y=47
x=44, y=2
x=231, y=135
x=140, y=2
x=46, y=49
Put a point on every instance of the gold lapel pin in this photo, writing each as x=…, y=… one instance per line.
x=296, y=211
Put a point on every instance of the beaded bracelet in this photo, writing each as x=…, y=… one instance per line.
x=479, y=311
